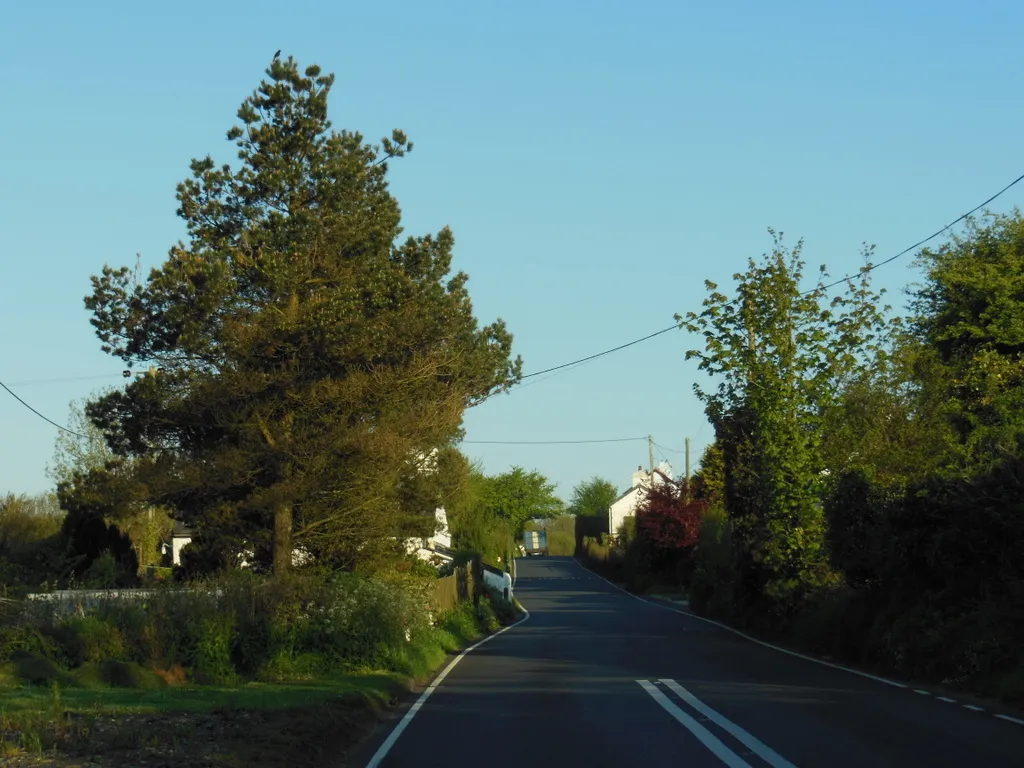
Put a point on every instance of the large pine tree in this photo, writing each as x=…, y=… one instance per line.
x=305, y=360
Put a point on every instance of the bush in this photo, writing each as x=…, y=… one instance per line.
x=714, y=576
x=211, y=654
x=561, y=543
x=36, y=669
x=16, y=637
x=460, y=623
x=503, y=609
x=244, y=626
x=285, y=666
x=118, y=674
x=90, y=638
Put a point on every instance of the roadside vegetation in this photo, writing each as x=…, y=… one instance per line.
x=297, y=373
x=862, y=499
x=262, y=662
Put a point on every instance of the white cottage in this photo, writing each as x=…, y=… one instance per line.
x=625, y=506
x=436, y=548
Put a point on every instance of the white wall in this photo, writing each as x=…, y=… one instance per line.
x=621, y=509
x=626, y=506
x=177, y=543
x=500, y=583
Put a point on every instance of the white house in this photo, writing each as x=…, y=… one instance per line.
x=625, y=506
x=181, y=536
x=436, y=548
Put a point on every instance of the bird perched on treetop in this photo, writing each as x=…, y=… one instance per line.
x=277, y=55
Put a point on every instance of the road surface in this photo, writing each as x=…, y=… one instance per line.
x=596, y=677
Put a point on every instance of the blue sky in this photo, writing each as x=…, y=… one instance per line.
x=596, y=160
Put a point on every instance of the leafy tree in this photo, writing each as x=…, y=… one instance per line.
x=98, y=503
x=709, y=481
x=476, y=527
x=668, y=517
x=82, y=448
x=81, y=457
x=970, y=310
x=518, y=496
x=306, y=363
x=779, y=357
x=29, y=533
x=591, y=498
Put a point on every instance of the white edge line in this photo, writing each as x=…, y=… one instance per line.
x=946, y=699
x=923, y=693
x=972, y=706
x=748, y=637
x=706, y=737
x=745, y=738
x=389, y=742
x=1009, y=719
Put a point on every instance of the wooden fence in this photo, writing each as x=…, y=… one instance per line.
x=461, y=585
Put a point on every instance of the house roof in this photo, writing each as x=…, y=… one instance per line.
x=181, y=530
x=626, y=493
x=623, y=495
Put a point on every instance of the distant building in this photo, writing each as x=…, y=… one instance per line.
x=625, y=506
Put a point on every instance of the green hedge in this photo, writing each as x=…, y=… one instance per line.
x=245, y=627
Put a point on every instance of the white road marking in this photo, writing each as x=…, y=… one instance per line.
x=1009, y=719
x=923, y=693
x=703, y=735
x=946, y=699
x=752, y=743
x=747, y=637
x=382, y=752
x=976, y=709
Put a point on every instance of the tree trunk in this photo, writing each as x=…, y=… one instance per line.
x=282, y=537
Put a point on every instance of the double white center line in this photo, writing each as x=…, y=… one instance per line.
x=706, y=737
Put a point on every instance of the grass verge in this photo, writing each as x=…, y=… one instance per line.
x=79, y=721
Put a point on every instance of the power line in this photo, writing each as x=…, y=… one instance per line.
x=905, y=251
x=37, y=413
x=551, y=442
x=670, y=450
x=869, y=268
x=602, y=354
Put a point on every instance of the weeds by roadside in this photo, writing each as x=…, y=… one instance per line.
x=256, y=672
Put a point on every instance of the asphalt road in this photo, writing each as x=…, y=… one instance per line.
x=563, y=689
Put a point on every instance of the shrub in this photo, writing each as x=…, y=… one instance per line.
x=211, y=655
x=503, y=609
x=561, y=543
x=285, y=666
x=91, y=638
x=244, y=626
x=36, y=669
x=460, y=623
x=119, y=674
x=713, y=583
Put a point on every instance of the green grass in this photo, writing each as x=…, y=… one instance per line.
x=255, y=723
x=379, y=686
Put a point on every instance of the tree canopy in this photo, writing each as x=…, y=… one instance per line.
x=518, y=496
x=303, y=360
x=591, y=498
x=780, y=356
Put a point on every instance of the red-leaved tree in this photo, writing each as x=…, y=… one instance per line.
x=668, y=518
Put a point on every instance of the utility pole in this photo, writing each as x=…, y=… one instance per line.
x=650, y=454
x=687, y=470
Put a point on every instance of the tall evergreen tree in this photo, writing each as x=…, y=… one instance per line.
x=304, y=360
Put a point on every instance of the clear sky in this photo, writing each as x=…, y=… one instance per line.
x=596, y=161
